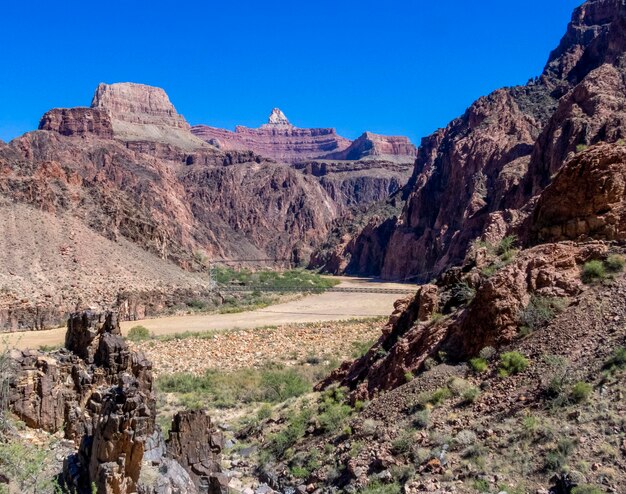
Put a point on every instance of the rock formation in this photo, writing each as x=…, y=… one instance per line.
x=490, y=319
x=374, y=145
x=277, y=139
x=280, y=140
x=130, y=170
x=99, y=394
x=480, y=174
x=586, y=199
x=78, y=122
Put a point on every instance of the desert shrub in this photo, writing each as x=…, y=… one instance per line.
x=580, y=392
x=333, y=410
x=421, y=419
x=439, y=396
x=617, y=361
x=538, y=312
x=479, y=365
x=557, y=458
x=470, y=395
x=22, y=463
x=465, y=438
x=300, y=472
x=265, y=412
x=402, y=444
x=506, y=246
x=281, y=384
x=593, y=271
x=360, y=348
x=197, y=304
x=226, y=389
x=615, y=263
x=587, y=489
x=138, y=333
x=462, y=293
x=512, y=363
x=580, y=147
x=487, y=353
x=408, y=377
x=457, y=385
x=377, y=487
x=368, y=427
x=481, y=485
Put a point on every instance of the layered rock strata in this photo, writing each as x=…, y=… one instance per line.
x=99, y=395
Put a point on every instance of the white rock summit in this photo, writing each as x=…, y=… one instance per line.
x=277, y=119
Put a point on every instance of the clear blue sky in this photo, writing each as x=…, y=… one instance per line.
x=394, y=67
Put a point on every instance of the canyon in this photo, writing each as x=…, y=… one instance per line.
x=130, y=175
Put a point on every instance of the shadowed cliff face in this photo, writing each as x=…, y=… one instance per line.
x=477, y=177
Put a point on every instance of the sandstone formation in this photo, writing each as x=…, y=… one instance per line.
x=277, y=139
x=587, y=198
x=280, y=140
x=99, y=395
x=150, y=183
x=78, y=122
x=371, y=145
x=481, y=174
x=490, y=319
x=139, y=112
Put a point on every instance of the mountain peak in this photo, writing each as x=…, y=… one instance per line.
x=278, y=118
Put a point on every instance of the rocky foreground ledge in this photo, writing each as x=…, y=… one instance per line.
x=100, y=396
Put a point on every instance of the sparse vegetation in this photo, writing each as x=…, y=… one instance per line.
x=617, y=361
x=593, y=271
x=272, y=384
x=615, y=263
x=587, y=489
x=580, y=392
x=479, y=365
x=505, y=248
x=290, y=280
x=512, y=363
x=138, y=333
x=539, y=312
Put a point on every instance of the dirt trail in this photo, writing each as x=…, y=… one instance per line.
x=331, y=306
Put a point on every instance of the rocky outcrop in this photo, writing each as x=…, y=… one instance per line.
x=177, y=202
x=143, y=113
x=100, y=395
x=587, y=198
x=277, y=139
x=491, y=318
x=78, y=122
x=196, y=444
x=353, y=184
x=483, y=172
x=375, y=145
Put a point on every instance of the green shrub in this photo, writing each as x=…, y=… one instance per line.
x=580, y=392
x=580, y=147
x=300, y=472
x=265, y=412
x=593, y=271
x=557, y=459
x=538, y=312
x=587, y=489
x=138, y=333
x=617, y=361
x=402, y=444
x=408, y=377
x=439, y=396
x=506, y=246
x=421, y=419
x=479, y=365
x=512, y=363
x=360, y=348
x=282, y=384
x=470, y=395
x=615, y=263
x=481, y=485
x=377, y=487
